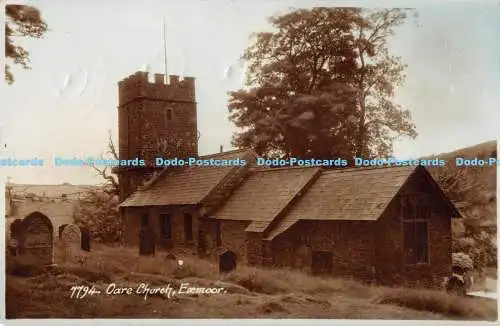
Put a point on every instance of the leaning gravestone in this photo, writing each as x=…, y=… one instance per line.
x=147, y=242
x=71, y=238
x=38, y=243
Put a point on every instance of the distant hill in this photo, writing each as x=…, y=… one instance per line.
x=478, y=184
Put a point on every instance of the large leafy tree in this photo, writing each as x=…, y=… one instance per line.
x=321, y=85
x=378, y=73
x=21, y=21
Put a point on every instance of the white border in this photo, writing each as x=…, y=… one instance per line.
x=263, y=322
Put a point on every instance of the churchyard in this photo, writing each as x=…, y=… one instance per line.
x=74, y=278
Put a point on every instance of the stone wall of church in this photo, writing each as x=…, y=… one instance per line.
x=177, y=243
x=232, y=238
x=390, y=254
x=351, y=244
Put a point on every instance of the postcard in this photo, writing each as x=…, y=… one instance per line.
x=250, y=160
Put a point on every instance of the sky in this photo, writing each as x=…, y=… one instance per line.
x=67, y=103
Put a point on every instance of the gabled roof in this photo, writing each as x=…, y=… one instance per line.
x=360, y=194
x=184, y=186
x=346, y=194
x=263, y=195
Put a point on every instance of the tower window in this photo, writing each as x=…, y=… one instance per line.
x=169, y=115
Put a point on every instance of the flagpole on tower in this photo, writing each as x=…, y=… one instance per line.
x=165, y=48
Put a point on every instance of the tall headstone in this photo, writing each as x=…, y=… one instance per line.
x=38, y=242
x=71, y=238
x=85, y=239
x=147, y=242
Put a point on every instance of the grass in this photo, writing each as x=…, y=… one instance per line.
x=249, y=292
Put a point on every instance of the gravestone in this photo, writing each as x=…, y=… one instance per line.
x=85, y=239
x=61, y=228
x=147, y=242
x=71, y=238
x=16, y=237
x=37, y=241
x=227, y=262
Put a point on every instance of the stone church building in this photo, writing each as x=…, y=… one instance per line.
x=390, y=225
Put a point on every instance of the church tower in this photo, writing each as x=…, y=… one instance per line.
x=154, y=120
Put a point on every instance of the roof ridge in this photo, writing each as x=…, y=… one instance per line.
x=364, y=168
x=163, y=171
x=227, y=152
x=270, y=169
x=336, y=170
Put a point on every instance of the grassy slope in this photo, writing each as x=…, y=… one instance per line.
x=485, y=177
x=251, y=293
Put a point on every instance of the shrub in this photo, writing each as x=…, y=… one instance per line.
x=98, y=211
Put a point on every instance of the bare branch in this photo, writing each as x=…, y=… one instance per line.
x=111, y=147
x=109, y=178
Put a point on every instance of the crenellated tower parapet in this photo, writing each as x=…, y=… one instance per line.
x=138, y=86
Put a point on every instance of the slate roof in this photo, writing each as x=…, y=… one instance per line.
x=183, y=186
x=263, y=195
x=274, y=199
x=360, y=194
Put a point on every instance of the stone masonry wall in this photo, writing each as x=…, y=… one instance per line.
x=391, y=267
x=351, y=242
x=233, y=238
x=154, y=119
x=177, y=243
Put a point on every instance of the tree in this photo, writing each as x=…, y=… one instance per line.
x=110, y=181
x=21, y=21
x=321, y=85
x=381, y=120
x=98, y=211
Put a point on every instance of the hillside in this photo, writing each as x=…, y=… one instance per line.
x=475, y=189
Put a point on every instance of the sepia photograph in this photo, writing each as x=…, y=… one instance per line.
x=250, y=159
